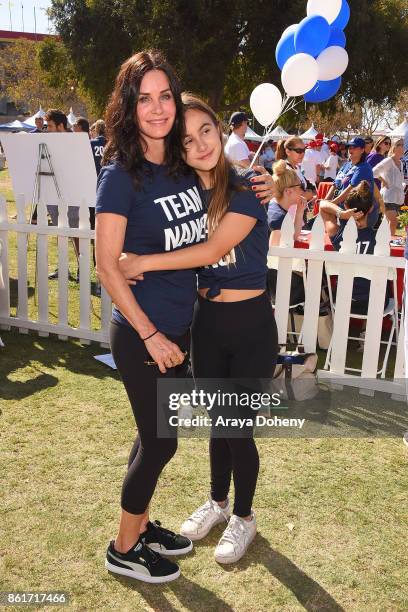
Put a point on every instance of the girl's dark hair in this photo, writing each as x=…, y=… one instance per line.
x=360, y=198
x=125, y=143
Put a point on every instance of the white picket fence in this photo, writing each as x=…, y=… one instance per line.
x=313, y=259
x=42, y=231
x=350, y=265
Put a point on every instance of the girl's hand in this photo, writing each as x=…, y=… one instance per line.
x=165, y=354
x=131, y=266
x=262, y=185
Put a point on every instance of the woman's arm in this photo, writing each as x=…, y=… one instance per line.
x=232, y=230
x=110, y=231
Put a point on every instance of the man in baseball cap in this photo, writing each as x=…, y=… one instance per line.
x=236, y=148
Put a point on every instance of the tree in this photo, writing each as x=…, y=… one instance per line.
x=223, y=48
x=31, y=79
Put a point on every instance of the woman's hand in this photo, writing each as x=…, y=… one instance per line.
x=165, y=353
x=131, y=266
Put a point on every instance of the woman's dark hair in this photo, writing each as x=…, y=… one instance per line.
x=360, y=198
x=125, y=142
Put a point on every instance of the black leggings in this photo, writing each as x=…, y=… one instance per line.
x=149, y=453
x=234, y=340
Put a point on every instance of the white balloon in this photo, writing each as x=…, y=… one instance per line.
x=290, y=29
x=299, y=74
x=266, y=103
x=329, y=9
x=332, y=63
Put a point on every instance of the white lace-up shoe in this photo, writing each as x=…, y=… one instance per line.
x=235, y=539
x=203, y=520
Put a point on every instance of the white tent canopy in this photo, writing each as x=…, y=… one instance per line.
x=401, y=131
x=279, y=133
x=15, y=126
x=31, y=120
x=310, y=134
x=251, y=135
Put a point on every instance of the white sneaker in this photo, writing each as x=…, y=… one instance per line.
x=235, y=539
x=204, y=518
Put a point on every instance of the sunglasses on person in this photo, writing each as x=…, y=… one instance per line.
x=297, y=150
x=387, y=142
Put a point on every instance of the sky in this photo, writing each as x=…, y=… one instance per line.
x=25, y=8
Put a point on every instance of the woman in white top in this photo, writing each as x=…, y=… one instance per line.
x=389, y=171
x=331, y=164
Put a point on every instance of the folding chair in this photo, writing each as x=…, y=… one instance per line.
x=298, y=265
x=391, y=311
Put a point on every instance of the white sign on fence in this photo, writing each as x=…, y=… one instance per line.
x=72, y=161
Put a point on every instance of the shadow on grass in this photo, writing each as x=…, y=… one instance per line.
x=312, y=596
x=192, y=596
x=45, y=357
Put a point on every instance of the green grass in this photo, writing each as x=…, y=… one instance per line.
x=331, y=513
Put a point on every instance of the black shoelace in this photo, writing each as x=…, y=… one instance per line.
x=161, y=531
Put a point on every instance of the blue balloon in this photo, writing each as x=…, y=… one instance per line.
x=343, y=17
x=285, y=49
x=312, y=35
x=337, y=38
x=323, y=90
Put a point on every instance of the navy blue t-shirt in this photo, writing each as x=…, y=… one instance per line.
x=248, y=268
x=164, y=215
x=276, y=215
x=98, y=145
x=365, y=244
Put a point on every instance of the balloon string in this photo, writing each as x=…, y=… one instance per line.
x=288, y=104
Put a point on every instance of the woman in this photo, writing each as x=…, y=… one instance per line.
x=139, y=192
x=331, y=164
x=379, y=152
x=288, y=192
x=389, y=171
x=351, y=175
x=292, y=151
x=234, y=333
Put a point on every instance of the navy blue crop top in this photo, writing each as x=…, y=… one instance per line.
x=249, y=269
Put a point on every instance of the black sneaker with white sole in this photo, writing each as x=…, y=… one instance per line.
x=164, y=541
x=141, y=563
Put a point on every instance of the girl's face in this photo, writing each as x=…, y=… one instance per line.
x=202, y=142
x=296, y=153
x=156, y=107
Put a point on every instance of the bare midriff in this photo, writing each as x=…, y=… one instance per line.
x=232, y=295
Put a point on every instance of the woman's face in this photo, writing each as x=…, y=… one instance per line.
x=385, y=147
x=355, y=154
x=156, y=107
x=202, y=142
x=399, y=149
x=295, y=153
